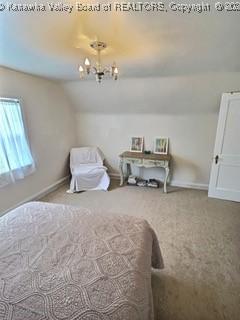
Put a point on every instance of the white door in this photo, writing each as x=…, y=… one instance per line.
x=225, y=173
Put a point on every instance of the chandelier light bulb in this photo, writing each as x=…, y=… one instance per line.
x=115, y=73
x=81, y=71
x=87, y=65
x=113, y=68
x=87, y=62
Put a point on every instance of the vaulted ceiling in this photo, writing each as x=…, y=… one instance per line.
x=144, y=44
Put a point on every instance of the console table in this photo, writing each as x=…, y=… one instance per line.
x=140, y=159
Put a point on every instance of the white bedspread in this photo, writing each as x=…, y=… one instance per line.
x=66, y=263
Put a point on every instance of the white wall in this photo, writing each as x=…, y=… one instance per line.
x=49, y=119
x=183, y=108
x=191, y=140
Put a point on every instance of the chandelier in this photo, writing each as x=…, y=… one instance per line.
x=99, y=70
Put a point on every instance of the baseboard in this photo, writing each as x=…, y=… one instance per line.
x=189, y=185
x=41, y=194
x=49, y=189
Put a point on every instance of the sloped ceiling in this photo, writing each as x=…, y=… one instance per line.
x=192, y=94
x=52, y=44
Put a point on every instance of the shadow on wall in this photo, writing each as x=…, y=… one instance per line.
x=111, y=170
x=193, y=171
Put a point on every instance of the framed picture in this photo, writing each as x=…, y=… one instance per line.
x=161, y=145
x=136, y=144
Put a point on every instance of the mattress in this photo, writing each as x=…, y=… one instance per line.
x=63, y=262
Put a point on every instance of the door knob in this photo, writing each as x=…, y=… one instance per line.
x=216, y=159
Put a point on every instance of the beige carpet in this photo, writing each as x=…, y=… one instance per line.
x=200, y=242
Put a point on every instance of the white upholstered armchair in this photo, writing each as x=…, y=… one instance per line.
x=87, y=169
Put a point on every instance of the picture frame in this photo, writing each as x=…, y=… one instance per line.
x=137, y=144
x=160, y=145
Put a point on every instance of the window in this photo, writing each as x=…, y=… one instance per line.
x=15, y=157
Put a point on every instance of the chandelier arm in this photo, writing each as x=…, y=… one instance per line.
x=106, y=69
x=94, y=70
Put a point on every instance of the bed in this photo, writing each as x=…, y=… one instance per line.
x=68, y=263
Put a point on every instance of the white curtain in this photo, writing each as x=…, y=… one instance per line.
x=16, y=160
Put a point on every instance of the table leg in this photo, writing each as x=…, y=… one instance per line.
x=121, y=172
x=129, y=171
x=165, y=180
